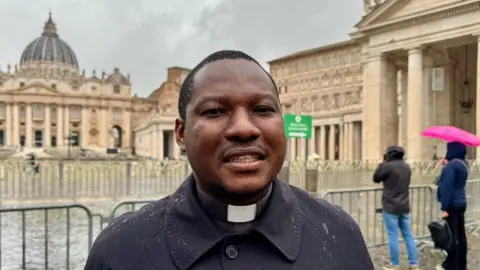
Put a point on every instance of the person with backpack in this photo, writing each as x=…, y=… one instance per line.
x=451, y=194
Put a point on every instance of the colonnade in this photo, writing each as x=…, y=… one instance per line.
x=337, y=141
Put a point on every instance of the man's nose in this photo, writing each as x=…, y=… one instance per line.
x=242, y=127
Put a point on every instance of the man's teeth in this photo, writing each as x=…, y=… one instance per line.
x=244, y=159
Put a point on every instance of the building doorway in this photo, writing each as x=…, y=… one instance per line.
x=22, y=140
x=53, y=141
x=166, y=144
x=2, y=137
x=117, y=136
x=38, y=138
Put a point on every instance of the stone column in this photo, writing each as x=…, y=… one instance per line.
x=331, y=141
x=28, y=126
x=341, y=141
x=155, y=141
x=84, y=127
x=47, y=137
x=66, y=127
x=16, y=125
x=303, y=148
x=415, y=104
x=160, y=144
x=104, y=128
x=312, y=141
x=427, y=101
x=401, y=105
x=346, y=141
x=477, y=103
x=322, y=143
x=61, y=141
x=126, y=129
x=293, y=149
x=8, y=124
x=375, y=85
x=351, y=141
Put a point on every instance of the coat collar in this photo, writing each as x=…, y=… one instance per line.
x=191, y=233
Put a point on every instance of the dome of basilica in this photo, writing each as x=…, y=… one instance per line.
x=49, y=48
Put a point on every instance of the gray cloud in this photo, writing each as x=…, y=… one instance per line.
x=144, y=37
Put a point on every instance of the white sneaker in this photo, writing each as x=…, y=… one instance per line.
x=439, y=267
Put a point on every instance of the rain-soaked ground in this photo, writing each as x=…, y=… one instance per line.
x=429, y=257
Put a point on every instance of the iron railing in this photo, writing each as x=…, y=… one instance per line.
x=59, y=236
x=118, y=180
x=45, y=237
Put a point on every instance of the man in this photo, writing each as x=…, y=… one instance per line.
x=232, y=212
x=395, y=174
x=453, y=199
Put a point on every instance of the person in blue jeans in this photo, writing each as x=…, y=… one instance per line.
x=395, y=175
x=452, y=195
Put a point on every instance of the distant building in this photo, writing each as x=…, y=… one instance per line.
x=409, y=64
x=46, y=98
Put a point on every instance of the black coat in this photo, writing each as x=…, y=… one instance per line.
x=295, y=231
x=395, y=174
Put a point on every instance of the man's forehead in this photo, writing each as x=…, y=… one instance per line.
x=229, y=69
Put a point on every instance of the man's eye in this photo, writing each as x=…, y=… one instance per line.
x=213, y=112
x=264, y=109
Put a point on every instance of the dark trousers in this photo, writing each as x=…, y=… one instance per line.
x=457, y=255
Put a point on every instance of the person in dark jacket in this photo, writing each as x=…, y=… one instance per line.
x=452, y=196
x=395, y=174
x=232, y=213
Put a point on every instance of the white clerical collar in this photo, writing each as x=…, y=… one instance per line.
x=241, y=213
x=232, y=213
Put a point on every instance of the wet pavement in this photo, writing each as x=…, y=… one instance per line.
x=429, y=257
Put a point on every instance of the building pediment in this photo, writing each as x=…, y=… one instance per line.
x=37, y=88
x=397, y=11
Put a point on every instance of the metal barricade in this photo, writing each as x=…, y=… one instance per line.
x=365, y=207
x=45, y=237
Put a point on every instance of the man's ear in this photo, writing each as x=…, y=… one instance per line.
x=180, y=133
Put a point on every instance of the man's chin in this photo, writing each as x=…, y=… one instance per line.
x=246, y=184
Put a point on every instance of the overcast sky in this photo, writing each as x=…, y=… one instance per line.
x=144, y=37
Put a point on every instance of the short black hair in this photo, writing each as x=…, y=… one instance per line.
x=187, y=85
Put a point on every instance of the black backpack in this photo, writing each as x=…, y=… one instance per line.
x=441, y=234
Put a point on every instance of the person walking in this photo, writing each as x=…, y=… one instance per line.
x=395, y=175
x=451, y=194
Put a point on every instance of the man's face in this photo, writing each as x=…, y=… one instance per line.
x=233, y=132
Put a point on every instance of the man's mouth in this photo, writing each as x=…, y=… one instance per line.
x=245, y=158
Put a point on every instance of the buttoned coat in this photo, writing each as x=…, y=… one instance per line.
x=295, y=231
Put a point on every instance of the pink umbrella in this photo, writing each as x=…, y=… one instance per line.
x=451, y=134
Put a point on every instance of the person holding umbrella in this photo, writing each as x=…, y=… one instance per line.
x=451, y=191
x=451, y=194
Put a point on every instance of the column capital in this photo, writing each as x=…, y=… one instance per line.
x=477, y=35
x=415, y=49
x=375, y=56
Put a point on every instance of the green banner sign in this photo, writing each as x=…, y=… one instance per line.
x=298, y=126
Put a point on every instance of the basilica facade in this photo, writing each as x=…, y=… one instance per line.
x=408, y=65
x=48, y=102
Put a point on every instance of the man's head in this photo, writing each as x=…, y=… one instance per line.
x=394, y=153
x=231, y=127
